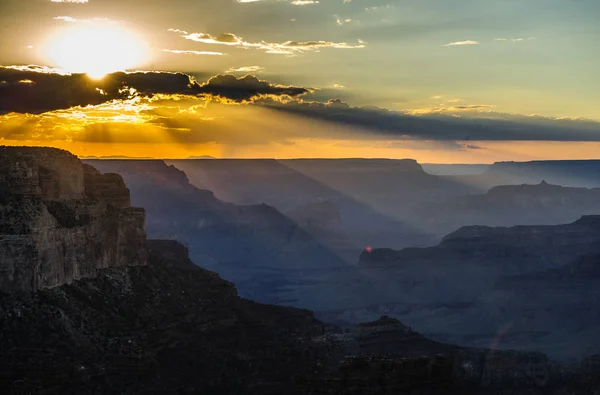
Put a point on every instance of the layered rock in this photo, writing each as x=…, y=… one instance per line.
x=61, y=220
x=170, y=327
x=387, y=342
x=388, y=186
x=542, y=246
x=371, y=195
x=525, y=287
x=576, y=173
x=555, y=311
x=166, y=328
x=509, y=205
x=257, y=247
x=256, y=235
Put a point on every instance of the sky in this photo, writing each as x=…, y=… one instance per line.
x=459, y=81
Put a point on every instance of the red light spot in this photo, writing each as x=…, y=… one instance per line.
x=369, y=249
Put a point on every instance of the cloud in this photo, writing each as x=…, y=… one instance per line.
x=70, y=19
x=34, y=89
x=66, y=19
x=246, y=69
x=457, y=43
x=379, y=7
x=413, y=145
x=292, y=2
x=285, y=48
x=70, y=1
x=342, y=21
x=455, y=123
x=243, y=89
x=447, y=109
x=514, y=40
x=186, y=119
x=187, y=52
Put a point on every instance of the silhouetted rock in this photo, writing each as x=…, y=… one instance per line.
x=166, y=328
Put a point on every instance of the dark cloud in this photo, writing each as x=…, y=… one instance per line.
x=246, y=88
x=33, y=89
x=445, y=125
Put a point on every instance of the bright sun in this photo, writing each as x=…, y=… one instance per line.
x=95, y=48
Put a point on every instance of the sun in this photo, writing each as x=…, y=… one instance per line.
x=95, y=48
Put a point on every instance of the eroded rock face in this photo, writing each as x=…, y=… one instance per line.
x=166, y=328
x=509, y=205
x=549, y=245
x=257, y=247
x=61, y=220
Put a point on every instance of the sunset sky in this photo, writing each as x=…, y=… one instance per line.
x=435, y=80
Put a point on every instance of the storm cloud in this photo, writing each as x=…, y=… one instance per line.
x=36, y=90
x=462, y=123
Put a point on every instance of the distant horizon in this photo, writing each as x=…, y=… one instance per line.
x=124, y=157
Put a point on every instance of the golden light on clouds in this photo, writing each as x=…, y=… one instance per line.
x=179, y=127
x=94, y=47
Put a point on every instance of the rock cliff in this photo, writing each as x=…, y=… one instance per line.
x=166, y=328
x=543, y=247
x=529, y=284
x=256, y=235
x=143, y=319
x=61, y=220
x=257, y=247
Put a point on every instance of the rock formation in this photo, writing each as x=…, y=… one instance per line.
x=573, y=173
x=257, y=235
x=257, y=247
x=372, y=196
x=509, y=205
x=526, y=287
x=543, y=246
x=388, y=186
x=105, y=311
x=61, y=220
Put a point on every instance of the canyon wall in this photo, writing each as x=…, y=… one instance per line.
x=61, y=220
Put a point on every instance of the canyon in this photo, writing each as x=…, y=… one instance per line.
x=140, y=317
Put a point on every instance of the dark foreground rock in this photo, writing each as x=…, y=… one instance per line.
x=170, y=327
x=174, y=328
